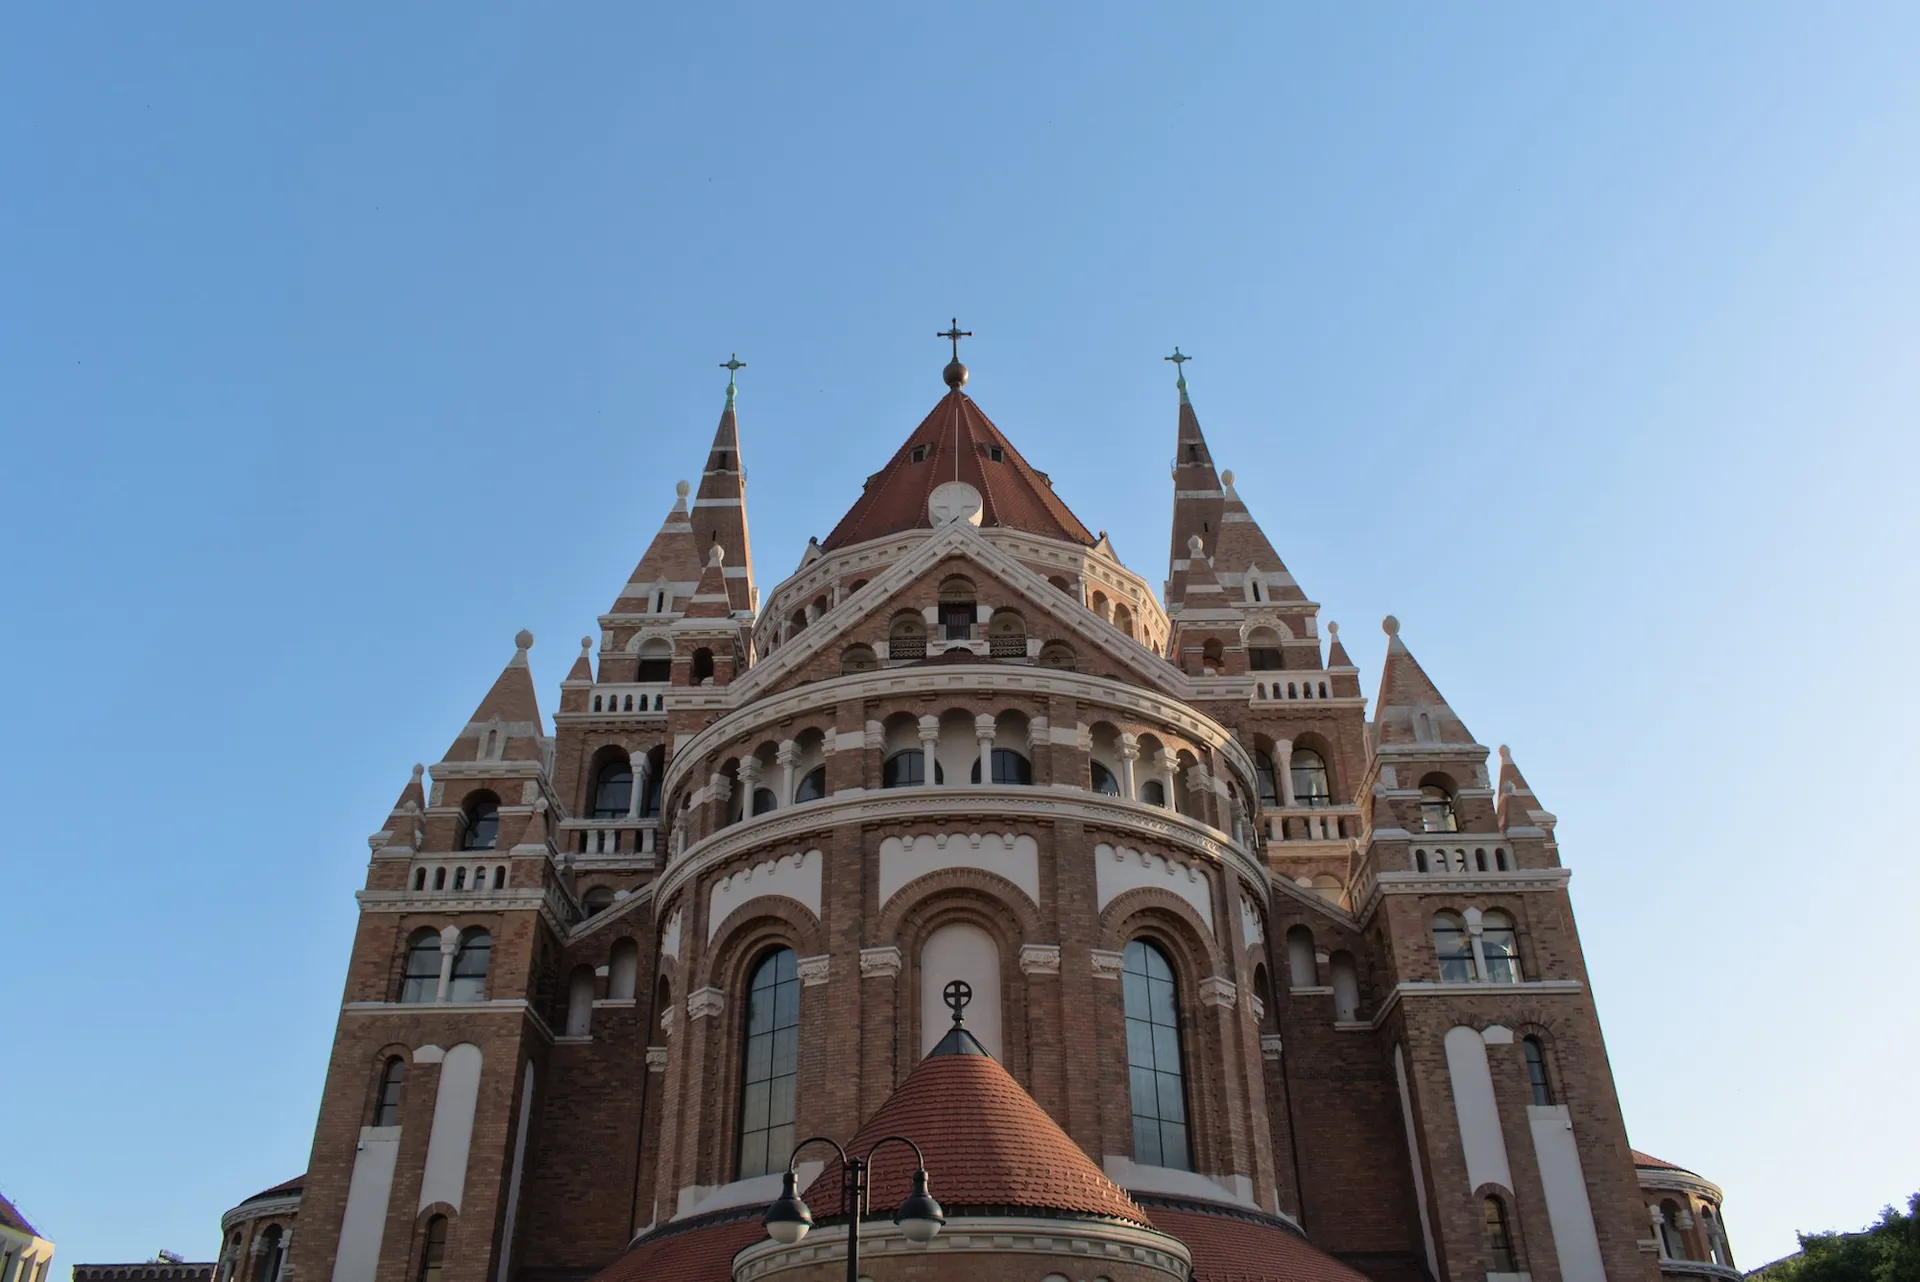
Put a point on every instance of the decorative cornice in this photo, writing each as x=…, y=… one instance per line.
x=994, y=806
x=1435, y=988
x=1088, y=1242
x=1520, y=881
x=261, y=1208
x=497, y=1006
x=883, y=963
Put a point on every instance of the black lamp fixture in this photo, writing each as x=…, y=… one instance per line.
x=788, y=1218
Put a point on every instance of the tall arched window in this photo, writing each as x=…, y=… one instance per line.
x=1303, y=970
x=812, y=786
x=274, y=1243
x=1436, y=809
x=386, y=1104
x=1103, y=780
x=1453, y=947
x=433, y=1251
x=470, y=966
x=1269, y=786
x=422, y=982
x=1154, y=1059
x=908, y=770
x=1500, y=947
x=1009, y=767
x=1670, y=1229
x=480, y=826
x=771, y=1065
x=650, y=794
x=613, y=791
x=1499, y=1238
x=1537, y=1071
x=1310, y=785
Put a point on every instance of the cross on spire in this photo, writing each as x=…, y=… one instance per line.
x=955, y=334
x=733, y=365
x=1179, y=360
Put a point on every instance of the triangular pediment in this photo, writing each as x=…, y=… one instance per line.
x=903, y=584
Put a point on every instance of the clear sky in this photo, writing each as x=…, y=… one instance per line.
x=338, y=343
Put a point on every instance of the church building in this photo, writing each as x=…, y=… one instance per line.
x=1172, y=954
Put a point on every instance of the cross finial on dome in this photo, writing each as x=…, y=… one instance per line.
x=958, y=996
x=955, y=373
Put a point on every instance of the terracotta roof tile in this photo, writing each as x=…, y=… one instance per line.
x=1231, y=1247
x=1648, y=1160
x=293, y=1185
x=699, y=1251
x=988, y=1146
x=1013, y=494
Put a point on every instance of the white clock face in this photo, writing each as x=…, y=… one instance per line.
x=954, y=501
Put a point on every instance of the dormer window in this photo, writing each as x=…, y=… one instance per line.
x=995, y=453
x=919, y=454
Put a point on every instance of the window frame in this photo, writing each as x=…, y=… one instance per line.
x=424, y=944
x=1144, y=997
x=475, y=941
x=390, y=1091
x=779, y=968
x=1456, y=966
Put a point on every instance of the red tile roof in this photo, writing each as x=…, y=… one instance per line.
x=700, y=1251
x=1229, y=1247
x=989, y=1147
x=285, y=1186
x=1012, y=493
x=1648, y=1160
x=10, y=1217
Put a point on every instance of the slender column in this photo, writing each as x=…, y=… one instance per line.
x=983, y=731
x=1129, y=753
x=1474, y=927
x=449, y=944
x=639, y=768
x=1163, y=764
x=786, y=754
x=929, y=739
x=1283, y=766
x=749, y=784
x=1659, y=1230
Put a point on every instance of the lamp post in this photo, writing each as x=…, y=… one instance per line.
x=788, y=1219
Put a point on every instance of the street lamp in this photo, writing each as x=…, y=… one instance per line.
x=788, y=1219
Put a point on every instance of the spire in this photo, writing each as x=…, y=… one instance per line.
x=506, y=725
x=1203, y=591
x=1242, y=546
x=1411, y=708
x=720, y=507
x=1197, y=498
x=1336, y=653
x=1516, y=805
x=710, y=595
x=956, y=442
x=582, y=669
x=673, y=559
x=414, y=794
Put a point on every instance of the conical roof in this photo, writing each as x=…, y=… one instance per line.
x=989, y=1148
x=512, y=703
x=674, y=556
x=957, y=441
x=1406, y=689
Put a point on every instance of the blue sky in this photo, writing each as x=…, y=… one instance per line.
x=338, y=343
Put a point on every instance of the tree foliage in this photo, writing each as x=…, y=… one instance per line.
x=1887, y=1252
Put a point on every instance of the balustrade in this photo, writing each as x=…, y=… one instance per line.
x=635, y=697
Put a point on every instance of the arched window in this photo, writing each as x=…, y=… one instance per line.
x=273, y=1241
x=1263, y=646
x=908, y=770
x=433, y=1252
x=1263, y=772
x=470, y=966
x=580, y=1002
x=764, y=801
x=1302, y=971
x=459, y=879
x=656, y=661
x=386, y=1104
x=812, y=786
x=613, y=790
x=1499, y=1239
x=1501, y=948
x=1310, y=786
x=1058, y=655
x=1123, y=618
x=957, y=610
x=623, y=970
x=1436, y=809
x=1009, y=767
x=771, y=1065
x=858, y=658
x=702, y=666
x=1103, y=780
x=419, y=878
x=1346, y=986
x=422, y=982
x=1670, y=1229
x=1154, y=1059
x=439, y=878
x=1453, y=947
x=1153, y=792
x=1537, y=1071
x=1007, y=635
x=597, y=900
x=480, y=826
x=907, y=637
x=1213, y=656
x=499, y=876
x=650, y=795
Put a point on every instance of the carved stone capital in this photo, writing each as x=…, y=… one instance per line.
x=1215, y=991
x=705, y=1002
x=880, y=962
x=1040, y=959
x=1107, y=965
x=812, y=970
x=656, y=1059
x=1270, y=1045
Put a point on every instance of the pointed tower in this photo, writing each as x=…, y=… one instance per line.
x=720, y=506
x=1198, y=500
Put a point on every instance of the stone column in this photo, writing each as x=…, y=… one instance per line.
x=1129, y=753
x=983, y=731
x=749, y=782
x=785, y=755
x=929, y=739
x=639, y=767
x=1283, y=767
x=449, y=945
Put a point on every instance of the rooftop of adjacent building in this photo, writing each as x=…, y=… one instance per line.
x=11, y=1218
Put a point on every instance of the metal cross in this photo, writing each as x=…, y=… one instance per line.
x=1178, y=360
x=958, y=992
x=955, y=334
x=732, y=364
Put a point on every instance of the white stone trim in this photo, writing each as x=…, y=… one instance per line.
x=1089, y=1243
x=1106, y=964
x=1040, y=959
x=813, y=971
x=704, y=1003
x=881, y=963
